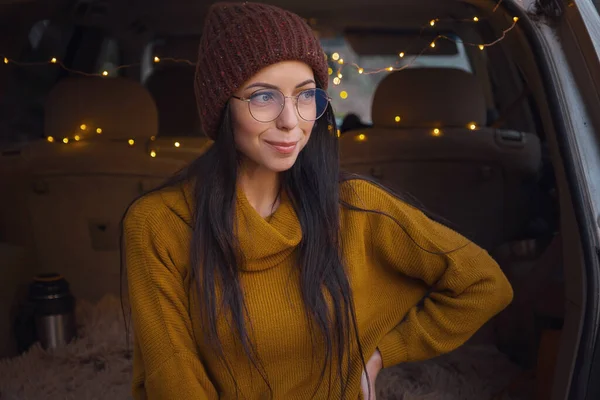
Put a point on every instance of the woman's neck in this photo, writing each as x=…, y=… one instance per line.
x=261, y=187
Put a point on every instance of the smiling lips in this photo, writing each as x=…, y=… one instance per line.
x=283, y=147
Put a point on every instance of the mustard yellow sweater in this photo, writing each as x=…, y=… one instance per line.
x=389, y=276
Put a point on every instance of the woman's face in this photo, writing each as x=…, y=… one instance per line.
x=273, y=145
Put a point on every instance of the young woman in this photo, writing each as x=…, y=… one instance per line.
x=262, y=272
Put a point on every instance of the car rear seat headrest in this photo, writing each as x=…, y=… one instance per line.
x=430, y=98
x=121, y=108
x=173, y=90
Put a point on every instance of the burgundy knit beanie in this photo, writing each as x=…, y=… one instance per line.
x=240, y=39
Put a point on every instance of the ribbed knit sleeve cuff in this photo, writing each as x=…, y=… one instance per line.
x=393, y=349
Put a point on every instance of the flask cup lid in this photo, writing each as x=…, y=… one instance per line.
x=49, y=286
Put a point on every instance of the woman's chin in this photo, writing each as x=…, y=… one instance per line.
x=281, y=165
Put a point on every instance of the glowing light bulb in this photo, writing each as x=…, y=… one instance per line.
x=329, y=71
x=335, y=56
x=476, y=19
x=338, y=133
x=77, y=138
x=104, y=73
x=432, y=22
x=397, y=119
x=153, y=138
x=432, y=45
x=177, y=144
x=515, y=19
x=481, y=47
x=344, y=94
x=5, y=60
x=66, y=140
x=401, y=55
x=329, y=128
x=340, y=75
x=390, y=69
x=472, y=127
x=436, y=132
x=360, y=70
x=53, y=60
x=153, y=154
x=50, y=139
x=361, y=137
x=336, y=81
x=131, y=142
x=83, y=127
x=156, y=59
x=341, y=61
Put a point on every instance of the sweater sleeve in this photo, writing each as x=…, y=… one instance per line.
x=166, y=362
x=466, y=286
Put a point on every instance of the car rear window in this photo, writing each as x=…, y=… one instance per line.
x=354, y=93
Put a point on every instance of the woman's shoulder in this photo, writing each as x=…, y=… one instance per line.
x=358, y=191
x=361, y=194
x=160, y=207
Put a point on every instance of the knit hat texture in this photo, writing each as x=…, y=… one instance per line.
x=240, y=39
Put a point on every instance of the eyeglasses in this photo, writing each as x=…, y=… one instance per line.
x=266, y=105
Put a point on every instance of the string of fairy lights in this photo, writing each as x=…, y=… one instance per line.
x=337, y=76
x=87, y=132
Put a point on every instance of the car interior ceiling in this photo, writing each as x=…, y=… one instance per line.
x=512, y=195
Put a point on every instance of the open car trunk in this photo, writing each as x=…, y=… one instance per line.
x=446, y=102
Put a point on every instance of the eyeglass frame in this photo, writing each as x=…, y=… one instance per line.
x=249, y=99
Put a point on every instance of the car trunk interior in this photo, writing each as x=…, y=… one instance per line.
x=464, y=128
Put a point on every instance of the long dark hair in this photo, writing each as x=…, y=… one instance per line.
x=313, y=185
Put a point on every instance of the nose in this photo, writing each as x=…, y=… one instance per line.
x=288, y=119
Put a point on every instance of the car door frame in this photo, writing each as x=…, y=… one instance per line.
x=564, y=38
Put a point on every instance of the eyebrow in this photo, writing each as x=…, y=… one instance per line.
x=269, y=86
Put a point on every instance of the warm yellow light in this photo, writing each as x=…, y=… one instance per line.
x=5, y=60
x=481, y=47
x=361, y=137
x=153, y=138
x=432, y=22
x=335, y=56
x=339, y=133
x=104, y=73
x=436, y=132
x=131, y=142
x=432, y=44
x=156, y=59
x=344, y=94
x=390, y=69
x=83, y=127
x=340, y=75
x=77, y=138
x=336, y=81
x=397, y=119
x=341, y=61
x=401, y=55
x=476, y=19
x=472, y=127
x=66, y=140
x=329, y=128
x=329, y=71
x=98, y=131
x=53, y=60
x=177, y=144
x=50, y=139
x=360, y=70
x=515, y=19
x=152, y=153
